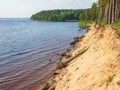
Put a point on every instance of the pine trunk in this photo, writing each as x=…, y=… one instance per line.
x=111, y=15
x=107, y=12
x=113, y=11
x=101, y=12
x=116, y=10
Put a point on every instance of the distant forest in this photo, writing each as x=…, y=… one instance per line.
x=67, y=14
x=60, y=15
x=103, y=11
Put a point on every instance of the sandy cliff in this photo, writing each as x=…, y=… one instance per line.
x=94, y=65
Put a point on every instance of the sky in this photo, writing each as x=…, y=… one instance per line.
x=25, y=8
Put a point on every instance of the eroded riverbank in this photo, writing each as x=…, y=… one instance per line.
x=94, y=63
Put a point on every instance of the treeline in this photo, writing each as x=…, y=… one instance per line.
x=90, y=14
x=60, y=15
x=105, y=11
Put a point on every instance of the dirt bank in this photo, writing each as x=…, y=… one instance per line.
x=92, y=64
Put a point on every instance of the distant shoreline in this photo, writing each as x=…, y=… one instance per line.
x=56, y=21
x=59, y=15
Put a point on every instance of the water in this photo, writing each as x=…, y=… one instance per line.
x=27, y=46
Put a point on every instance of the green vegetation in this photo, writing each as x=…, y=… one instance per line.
x=82, y=24
x=117, y=24
x=110, y=10
x=110, y=78
x=102, y=23
x=89, y=16
x=103, y=12
x=118, y=33
x=58, y=15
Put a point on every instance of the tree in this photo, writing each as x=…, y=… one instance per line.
x=94, y=12
x=58, y=15
x=111, y=9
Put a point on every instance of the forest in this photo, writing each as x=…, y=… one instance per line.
x=59, y=15
x=103, y=12
x=109, y=11
x=63, y=15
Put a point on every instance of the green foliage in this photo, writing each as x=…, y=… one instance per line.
x=117, y=24
x=85, y=15
x=97, y=13
x=82, y=24
x=88, y=16
x=94, y=12
x=58, y=15
x=118, y=33
x=110, y=78
x=103, y=2
x=102, y=23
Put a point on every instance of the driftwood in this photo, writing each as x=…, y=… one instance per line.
x=47, y=86
x=63, y=64
x=66, y=58
x=80, y=53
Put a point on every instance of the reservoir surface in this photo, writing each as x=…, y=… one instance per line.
x=27, y=47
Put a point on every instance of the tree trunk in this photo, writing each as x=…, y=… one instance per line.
x=111, y=15
x=113, y=11
x=106, y=12
x=101, y=12
x=118, y=8
x=110, y=12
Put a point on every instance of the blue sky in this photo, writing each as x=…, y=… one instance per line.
x=25, y=8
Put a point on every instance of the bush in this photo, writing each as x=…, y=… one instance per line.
x=82, y=24
x=117, y=24
x=118, y=33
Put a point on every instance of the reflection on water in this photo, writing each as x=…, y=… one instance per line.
x=27, y=46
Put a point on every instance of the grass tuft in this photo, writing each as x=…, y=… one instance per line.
x=110, y=78
x=118, y=33
x=117, y=24
x=83, y=24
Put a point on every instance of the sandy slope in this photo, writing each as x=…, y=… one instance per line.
x=98, y=68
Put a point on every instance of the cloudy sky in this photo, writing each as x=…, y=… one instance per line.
x=25, y=8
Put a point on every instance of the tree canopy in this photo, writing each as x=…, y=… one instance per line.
x=104, y=10
x=59, y=15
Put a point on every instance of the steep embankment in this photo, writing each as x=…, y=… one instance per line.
x=96, y=65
